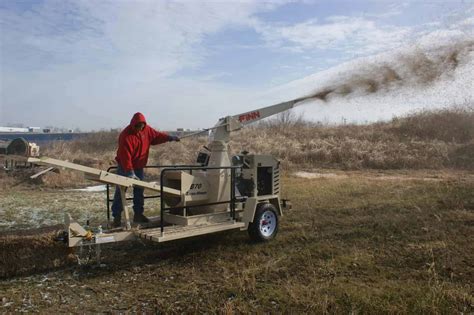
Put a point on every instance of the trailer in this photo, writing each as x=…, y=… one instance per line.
x=218, y=193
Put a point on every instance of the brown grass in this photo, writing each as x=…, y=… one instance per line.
x=424, y=140
x=454, y=125
x=355, y=245
x=31, y=251
x=351, y=244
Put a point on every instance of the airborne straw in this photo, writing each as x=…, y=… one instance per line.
x=420, y=68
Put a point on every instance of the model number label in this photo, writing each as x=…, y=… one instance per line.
x=196, y=186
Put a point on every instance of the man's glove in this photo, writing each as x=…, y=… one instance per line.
x=133, y=176
x=173, y=138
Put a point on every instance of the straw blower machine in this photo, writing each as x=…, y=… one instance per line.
x=218, y=193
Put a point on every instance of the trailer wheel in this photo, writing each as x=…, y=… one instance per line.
x=265, y=224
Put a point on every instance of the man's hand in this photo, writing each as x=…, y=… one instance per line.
x=173, y=138
x=133, y=176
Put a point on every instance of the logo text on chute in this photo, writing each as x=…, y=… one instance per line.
x=249, y=116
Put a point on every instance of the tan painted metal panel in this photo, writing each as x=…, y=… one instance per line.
x=249, y=209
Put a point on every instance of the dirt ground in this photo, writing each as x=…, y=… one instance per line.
x=351, y=243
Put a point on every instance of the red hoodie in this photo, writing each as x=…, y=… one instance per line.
x=134, y=146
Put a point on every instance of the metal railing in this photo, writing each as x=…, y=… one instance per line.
x=112, y=168
x=190, y=169
x=232, y=200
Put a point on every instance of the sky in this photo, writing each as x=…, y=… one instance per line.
x=184, y=64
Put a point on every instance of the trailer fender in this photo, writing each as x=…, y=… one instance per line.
x=276, y=202
x=251, y=207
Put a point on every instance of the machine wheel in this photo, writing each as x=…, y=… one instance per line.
x=265, y=223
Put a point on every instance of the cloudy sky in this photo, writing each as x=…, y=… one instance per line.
x=92, y=64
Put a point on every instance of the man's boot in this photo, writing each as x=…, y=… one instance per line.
x=117, y=222
x=140, y=218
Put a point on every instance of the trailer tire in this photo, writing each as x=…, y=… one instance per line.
x=265, y=223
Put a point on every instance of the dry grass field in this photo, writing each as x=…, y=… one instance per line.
x=361, y=243
x=382, y=223
x=442, y=139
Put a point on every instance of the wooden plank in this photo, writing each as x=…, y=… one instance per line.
x=147, y=233
x=65, y=164
x=41, y=173
x=103, y=176
x=201, y=231
x=179, y=232
x=124, y=207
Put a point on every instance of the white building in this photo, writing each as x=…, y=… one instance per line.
x=13, y=129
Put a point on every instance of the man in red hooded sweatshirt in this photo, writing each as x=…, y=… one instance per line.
x=132, y=156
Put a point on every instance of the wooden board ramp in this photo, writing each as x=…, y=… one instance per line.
x=103, y=176
x=177, y=231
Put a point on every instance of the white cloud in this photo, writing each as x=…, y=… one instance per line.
x=390, y=10
x=158, y=36
x=92, y=63
x=467, y=22
x=352, y=35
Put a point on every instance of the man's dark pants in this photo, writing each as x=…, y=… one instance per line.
x=138, y=199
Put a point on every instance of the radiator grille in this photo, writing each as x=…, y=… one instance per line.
x=276, y=180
